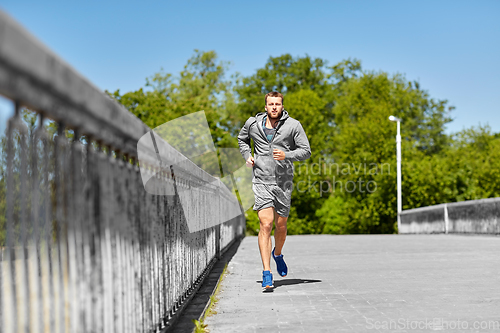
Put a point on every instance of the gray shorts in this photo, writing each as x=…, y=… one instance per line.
x=273, y=196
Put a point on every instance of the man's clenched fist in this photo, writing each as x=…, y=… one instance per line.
x=278, y=154
x=250, y=161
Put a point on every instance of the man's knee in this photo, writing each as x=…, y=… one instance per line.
x=281, y=226
x=266, y=225
x=281, y=222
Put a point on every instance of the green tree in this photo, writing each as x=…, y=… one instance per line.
x=364, y=147
x=468, y=170
x=200, y=86
x=285, y=74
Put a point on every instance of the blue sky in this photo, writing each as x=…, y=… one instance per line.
x=451, y=47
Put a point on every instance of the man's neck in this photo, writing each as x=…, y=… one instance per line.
x=271, y=123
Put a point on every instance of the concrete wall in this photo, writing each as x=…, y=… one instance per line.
x=473, y=216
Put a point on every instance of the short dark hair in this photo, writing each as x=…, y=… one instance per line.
x=274, y=94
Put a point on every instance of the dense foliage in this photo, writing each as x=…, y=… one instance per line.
x=349, y=183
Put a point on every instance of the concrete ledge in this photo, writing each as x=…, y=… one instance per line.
x=472, y=216
x=435, y=227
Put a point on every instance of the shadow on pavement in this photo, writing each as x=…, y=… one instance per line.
x=288, y=282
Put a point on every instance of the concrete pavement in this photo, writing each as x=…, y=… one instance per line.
x=366, y=283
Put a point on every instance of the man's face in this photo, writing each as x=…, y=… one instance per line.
x=274, y=107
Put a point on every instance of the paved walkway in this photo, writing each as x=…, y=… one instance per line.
x=366, y=283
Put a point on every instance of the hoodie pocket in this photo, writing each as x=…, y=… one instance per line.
x=264, y=167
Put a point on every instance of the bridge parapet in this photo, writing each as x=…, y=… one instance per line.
x=85, y=247
x=472, y=216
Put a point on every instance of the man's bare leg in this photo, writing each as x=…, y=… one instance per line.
x=279, y=233
x=266, y=217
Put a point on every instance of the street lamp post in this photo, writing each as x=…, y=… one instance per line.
x=398, y=160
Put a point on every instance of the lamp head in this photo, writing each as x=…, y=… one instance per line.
x=392, y=118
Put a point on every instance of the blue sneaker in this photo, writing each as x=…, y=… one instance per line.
x=280, y=264
x=267, y=280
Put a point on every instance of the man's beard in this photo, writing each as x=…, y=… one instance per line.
x=278, y=116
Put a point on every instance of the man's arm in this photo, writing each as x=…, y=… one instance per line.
x=244, y=141
x=302, y=149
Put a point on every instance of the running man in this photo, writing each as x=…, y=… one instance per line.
x=279, y=140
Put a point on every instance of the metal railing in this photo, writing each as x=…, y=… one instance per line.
x=84, y=247
x=472, y=216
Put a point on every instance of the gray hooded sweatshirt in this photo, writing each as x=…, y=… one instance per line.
x=289, y=137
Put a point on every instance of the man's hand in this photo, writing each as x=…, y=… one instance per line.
x=278, y=154
x=250, y=162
